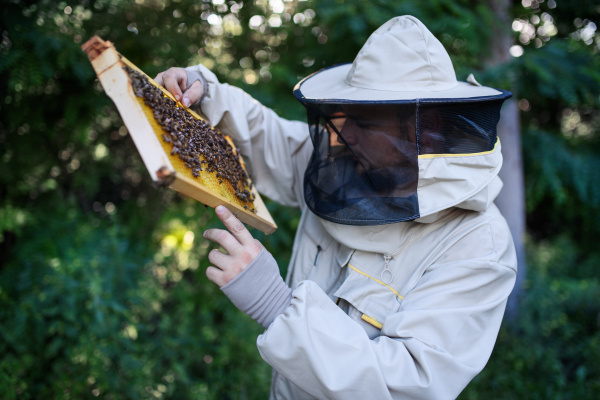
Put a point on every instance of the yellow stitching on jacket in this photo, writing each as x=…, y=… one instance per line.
x=461, y=155
x=372, y=321
x=376, y=280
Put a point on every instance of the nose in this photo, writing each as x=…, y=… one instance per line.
x=349, y=133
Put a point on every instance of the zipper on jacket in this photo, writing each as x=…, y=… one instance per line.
x=386, y=275
x=335, y=282
x=319, y=248
x=339, y=276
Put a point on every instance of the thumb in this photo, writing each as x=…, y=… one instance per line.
x=193, y=94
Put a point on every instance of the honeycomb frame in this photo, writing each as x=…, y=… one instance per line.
x=164, y=168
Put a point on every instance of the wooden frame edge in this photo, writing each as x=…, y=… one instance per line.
x=260, y=220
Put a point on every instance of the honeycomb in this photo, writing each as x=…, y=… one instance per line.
x=202, y=153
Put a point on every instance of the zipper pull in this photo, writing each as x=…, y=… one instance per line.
x=319, y=248
x=386, y=275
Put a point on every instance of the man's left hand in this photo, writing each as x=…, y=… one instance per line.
x=239, y=244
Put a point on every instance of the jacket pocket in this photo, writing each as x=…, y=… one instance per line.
x=370, y=300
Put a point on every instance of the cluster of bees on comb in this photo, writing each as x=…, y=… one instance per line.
x=198, y=145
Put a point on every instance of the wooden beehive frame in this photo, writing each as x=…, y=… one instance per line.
x=108, y=65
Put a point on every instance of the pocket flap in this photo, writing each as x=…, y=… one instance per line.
x=367, y=295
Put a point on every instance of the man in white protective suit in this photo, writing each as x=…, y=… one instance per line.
x=402, y=264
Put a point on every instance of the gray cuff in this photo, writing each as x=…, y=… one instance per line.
x=193, y=76
x=259, y=290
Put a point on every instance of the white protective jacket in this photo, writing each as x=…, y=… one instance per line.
x=346, y=334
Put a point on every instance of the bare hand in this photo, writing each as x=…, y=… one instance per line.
x=240, y=246
x=175, y=81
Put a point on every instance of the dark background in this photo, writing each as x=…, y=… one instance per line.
x=102, y=285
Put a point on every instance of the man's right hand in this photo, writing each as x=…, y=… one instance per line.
x=175, y=81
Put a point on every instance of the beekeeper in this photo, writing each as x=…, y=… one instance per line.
x=402, y=264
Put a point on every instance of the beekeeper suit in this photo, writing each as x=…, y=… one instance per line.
x=401, y=265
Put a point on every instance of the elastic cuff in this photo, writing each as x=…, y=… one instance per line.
x=259, y=290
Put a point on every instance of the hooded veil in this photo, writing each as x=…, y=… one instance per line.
x=387, y=126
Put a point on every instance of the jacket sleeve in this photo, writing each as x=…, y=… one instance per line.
x=274, y=148
x=441, y=337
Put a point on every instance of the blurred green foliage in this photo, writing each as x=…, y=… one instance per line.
x=102, y=285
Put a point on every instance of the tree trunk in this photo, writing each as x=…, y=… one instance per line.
x=511, y=200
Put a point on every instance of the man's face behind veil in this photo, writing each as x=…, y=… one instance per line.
x=379, y=136
x=382, y=141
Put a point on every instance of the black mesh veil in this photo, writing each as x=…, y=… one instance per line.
x=365, y=166
x=457, y=128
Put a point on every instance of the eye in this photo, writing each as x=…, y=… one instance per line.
x=363, y=124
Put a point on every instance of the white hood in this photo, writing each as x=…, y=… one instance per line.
x=455, y=127
x=402, y=60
